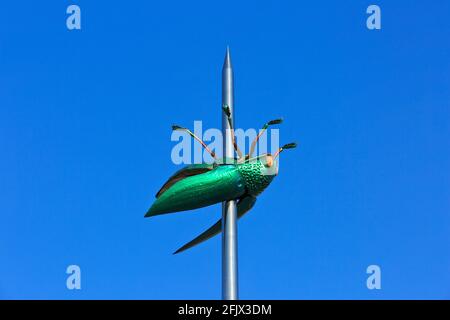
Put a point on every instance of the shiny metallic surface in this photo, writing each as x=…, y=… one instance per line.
x=229, y=216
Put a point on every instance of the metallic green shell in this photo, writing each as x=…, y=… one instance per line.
x=221, y=184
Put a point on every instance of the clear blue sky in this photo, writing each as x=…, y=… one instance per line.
x=85, y=122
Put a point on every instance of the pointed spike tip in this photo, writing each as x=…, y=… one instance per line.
x=227, y=61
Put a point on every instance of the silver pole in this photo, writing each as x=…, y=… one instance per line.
x=229, y=219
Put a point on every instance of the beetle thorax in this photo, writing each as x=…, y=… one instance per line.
x=256, y=176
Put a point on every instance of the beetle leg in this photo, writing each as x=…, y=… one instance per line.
x=243, y=206
x=291, y=145
x=264, y=128
x=226, y=110
x=212, y=153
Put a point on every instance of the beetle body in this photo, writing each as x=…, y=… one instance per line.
x=211, y=184
x=201, y=185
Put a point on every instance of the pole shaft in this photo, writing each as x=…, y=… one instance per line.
x=229, y=216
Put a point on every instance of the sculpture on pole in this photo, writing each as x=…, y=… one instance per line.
x=234, y=180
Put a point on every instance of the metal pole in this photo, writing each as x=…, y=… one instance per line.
x=229, y=218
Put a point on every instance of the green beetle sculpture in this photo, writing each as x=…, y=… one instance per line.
x=200, y=185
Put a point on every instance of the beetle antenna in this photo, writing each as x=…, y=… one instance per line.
x=227, y=111
x=212, y=153
x=291, y=145
x=264, y=128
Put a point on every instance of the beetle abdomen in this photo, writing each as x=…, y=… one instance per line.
x=221, y=184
